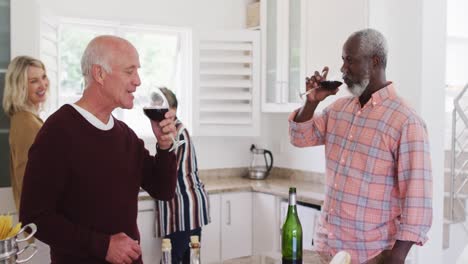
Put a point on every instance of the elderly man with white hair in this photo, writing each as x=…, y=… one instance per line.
x=86, y=167
x=378, y=199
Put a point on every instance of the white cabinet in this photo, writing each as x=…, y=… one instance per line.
x=149, y=242
x=266, y=223
x=229, y=235
x=308, y=216
x=211, y=233
x=236, y=225
x=283, y=26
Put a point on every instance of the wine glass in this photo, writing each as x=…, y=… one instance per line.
x=155, y=107
x=328, y=84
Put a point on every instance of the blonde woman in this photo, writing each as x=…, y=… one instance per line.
x=26, y=86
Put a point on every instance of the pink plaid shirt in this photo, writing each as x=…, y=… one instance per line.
x=378, y=167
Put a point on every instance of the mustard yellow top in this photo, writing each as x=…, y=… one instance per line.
x=24, y=127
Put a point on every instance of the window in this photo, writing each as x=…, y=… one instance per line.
x=456, y=68
x=164, y=57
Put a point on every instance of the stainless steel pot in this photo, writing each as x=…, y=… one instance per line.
x=9, y=250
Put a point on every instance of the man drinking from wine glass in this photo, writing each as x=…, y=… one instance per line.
x=86, y=167
x=378, y=199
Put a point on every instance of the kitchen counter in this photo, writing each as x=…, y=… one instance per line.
x=307, y=191
x=309, y=257
x=310, y=188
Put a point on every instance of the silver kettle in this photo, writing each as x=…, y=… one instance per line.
x=259, y=165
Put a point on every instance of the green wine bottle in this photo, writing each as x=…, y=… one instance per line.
x=291, y=246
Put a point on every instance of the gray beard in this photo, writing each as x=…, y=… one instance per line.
x=358, y=89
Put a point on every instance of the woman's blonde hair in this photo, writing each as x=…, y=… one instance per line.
x=15, y=94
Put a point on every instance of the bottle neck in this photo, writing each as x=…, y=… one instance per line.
x=194, y=245
x=292, y=199
x=195, y=254
x=166, y=257
x=292, y=205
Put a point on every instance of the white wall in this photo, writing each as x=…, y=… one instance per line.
x=285, y=154
x=432, y=105
x=24, y=37
x=200, y=14
x=416, y=35
x=403, y=32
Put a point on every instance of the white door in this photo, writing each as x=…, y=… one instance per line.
x=265, y=223
x=236, y=225
x=307, y=215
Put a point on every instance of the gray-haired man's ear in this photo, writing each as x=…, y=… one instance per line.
x=98, y=73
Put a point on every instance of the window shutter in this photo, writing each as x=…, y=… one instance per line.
x=226, y=86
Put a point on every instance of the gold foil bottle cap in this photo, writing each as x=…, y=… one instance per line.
x=194, y=239
x=166, y=244
x=194, y=242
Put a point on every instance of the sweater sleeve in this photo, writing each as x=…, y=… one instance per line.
x=159, y=174
x=24, y=129
x=46, y=179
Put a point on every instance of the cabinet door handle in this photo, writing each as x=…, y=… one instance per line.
x=316, y=216
x=228, y=204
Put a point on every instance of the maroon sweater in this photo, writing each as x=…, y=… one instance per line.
x=81, y=185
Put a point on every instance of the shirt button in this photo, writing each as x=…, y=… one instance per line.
x=351, y=136
x=374, y=103
x=358, y=112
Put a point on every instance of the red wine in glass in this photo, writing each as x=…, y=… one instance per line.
x=330, y=85
x=155, y=114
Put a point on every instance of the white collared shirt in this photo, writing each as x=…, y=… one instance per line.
x=93, y=120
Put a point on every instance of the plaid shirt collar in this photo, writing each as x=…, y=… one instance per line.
x=387, y=92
